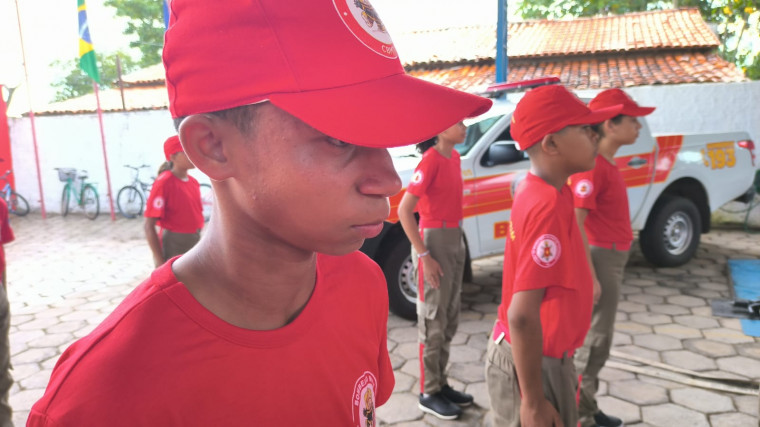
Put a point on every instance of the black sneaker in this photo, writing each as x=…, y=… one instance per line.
x=603, y=420
x=439, y=406
x=456, y=397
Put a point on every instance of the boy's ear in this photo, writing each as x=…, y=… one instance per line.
x=203, y=140
x=548, y=144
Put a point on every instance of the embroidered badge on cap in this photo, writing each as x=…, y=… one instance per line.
x=363, y=400
x=584, y=188
x=365, y=24
x=417, y=177
x=546, y=250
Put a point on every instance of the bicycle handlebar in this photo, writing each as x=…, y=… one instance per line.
x=136, y=167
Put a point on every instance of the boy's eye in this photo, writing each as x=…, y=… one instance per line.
x=336, y=142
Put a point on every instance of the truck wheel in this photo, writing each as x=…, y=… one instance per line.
x=399, y=273
x=671, y=235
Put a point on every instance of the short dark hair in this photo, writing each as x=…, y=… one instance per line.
x=242, y=117
x=425, y=145
x=598, y=128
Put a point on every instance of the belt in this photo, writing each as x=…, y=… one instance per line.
x=501, y=332
x=431, y=223
x=623, y=247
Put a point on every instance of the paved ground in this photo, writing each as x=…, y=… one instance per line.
x=65, y=276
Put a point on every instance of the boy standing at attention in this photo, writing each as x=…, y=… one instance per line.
x=273, y=318
x=601, y=209
x=547, y=290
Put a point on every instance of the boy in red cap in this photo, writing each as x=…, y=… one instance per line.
x=547, y=291
x=175, y=205
x=601, y=209
x=273, y=318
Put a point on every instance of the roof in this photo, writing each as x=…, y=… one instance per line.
x=645, y=48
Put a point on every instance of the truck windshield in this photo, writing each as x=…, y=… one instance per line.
x=474, y=132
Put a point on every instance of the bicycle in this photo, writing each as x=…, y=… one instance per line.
x=130, y=200
x=86, y=197
x=17, y=204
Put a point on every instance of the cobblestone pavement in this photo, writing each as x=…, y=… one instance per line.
x=66, y=274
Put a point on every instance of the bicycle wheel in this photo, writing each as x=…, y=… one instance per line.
x=90, y=201
x=130, y=202
x=18, y=204
x=65, y=199
x=207, y=201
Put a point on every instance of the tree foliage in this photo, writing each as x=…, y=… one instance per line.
x=145, y=20
x=737, y=22
x=78, y=83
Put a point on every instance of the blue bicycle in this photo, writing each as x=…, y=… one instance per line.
x=17, y=204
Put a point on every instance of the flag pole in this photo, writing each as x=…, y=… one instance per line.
x=31, y=115
x=105, y=154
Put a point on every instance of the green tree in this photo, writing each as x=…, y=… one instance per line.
x=77, y=83
x=145, y=20
x=737, y=21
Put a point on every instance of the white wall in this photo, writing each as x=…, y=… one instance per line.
x=133, y=138
x=137, y=137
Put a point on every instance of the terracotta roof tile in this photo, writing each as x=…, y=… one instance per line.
x=593, y=72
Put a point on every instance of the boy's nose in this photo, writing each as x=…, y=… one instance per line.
x=379, y=177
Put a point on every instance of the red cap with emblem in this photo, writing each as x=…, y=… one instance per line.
x=330, y=63
x=549, y=109
x=610, y=97
x=171, y=146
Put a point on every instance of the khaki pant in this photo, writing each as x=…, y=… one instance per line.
x=557, y=375
x=591, y=357
x=173, y=244
x=438, y=309
x=6, y=380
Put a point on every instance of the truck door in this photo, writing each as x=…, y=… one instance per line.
x=495, y=166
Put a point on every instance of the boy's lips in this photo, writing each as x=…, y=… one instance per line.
x=370, y=230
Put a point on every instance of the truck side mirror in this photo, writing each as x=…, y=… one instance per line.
x=503, y=152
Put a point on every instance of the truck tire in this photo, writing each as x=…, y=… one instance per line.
x=399, y=273
x=671, y=235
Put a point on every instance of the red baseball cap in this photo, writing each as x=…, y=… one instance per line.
x=171, y=146
x=549, y=109
x=330, y=63
x=616, y=96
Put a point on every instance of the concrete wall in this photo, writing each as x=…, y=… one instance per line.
x=137, y=137
x=133, y=138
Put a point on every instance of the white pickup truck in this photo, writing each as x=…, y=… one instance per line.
x=674, y=184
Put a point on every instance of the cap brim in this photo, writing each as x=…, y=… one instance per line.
x=597, y=116
x=388, y=112
x=637, y=111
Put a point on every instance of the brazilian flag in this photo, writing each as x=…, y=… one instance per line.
x=87, y=60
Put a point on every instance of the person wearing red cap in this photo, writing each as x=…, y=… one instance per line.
x=174, y=205
x=274, y=318
x=601, y=209
x=546, y=303
x=439, y=254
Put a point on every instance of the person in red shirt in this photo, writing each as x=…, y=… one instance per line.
x=601, y=209
x=6, y=379
x=274, y=318
x=439, y=254
x=174, y=204
x=546, y=303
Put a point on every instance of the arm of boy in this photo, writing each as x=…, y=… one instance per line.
x=580, y=216
x=430, y=267
x=152, y=237
x=524, y=316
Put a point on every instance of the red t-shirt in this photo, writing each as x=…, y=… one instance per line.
x=437, y=181
x=176, y=203
x=544, y=250
x=6, y=233
x=603, y=192
x=162, y=359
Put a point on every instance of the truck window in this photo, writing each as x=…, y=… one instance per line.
x=474, y=132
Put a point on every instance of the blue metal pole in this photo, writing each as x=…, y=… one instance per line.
x=166, y=13
x=502, y=60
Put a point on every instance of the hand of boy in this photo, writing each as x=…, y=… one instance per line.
x=597, y=290
x=433, y=271
x=541, y=415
